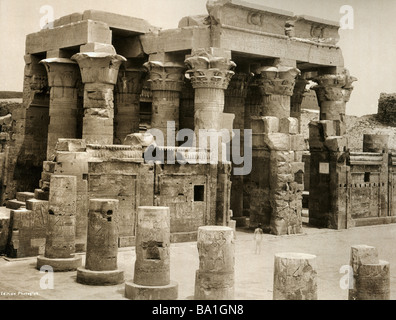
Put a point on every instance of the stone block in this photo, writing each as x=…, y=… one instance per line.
x=15, y=204
x=71, y=145
x=295, y=277
x=265, y=124
x=297, y=142
x=336, y=144
x=36, y=204
x=277, y=141
x=70, y=35
x=23, y=196
x=328, y=127
x=316, y=138
x=49, y=166
x=41, y=194
x=98, y=47
x=62, y=156
x=288, y=125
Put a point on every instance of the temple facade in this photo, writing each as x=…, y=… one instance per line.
x=97, y=84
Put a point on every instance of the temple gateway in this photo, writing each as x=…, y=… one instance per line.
x=96, y=83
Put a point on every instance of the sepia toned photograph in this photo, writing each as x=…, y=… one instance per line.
x=197, y=154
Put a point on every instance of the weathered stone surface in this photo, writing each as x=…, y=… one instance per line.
x=127, y=102
x=72, y=35
x=361, y=255
x=102, y=238
x=4, y=228
x=265, y=124
x=215, y=276
x=373, y=281
x=61, y=230
x=60, y=240
x=295, y=277
x=288, y=125
x=152, y=265
x=375, y=143
x=277, y=141
x=152, y=246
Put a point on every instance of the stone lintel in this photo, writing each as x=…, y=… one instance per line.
x=74, y=34
x=246, y=16
x=174, y=40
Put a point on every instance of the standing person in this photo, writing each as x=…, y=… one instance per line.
x=258, y=237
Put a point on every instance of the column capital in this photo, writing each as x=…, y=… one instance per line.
x=99, y=67
x=209, y=71
x=334, y=87
x=277, y=80
x=130, y=80
x=62, y=72
x=165, y=76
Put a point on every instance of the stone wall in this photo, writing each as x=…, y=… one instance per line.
x=387, y=108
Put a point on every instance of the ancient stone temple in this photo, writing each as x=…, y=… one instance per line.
x=121, y=105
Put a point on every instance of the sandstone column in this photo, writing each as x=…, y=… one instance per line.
x=127, y=102
x=278, y=170
x=152, y=266
x=102, y=245
x=297, y=99
x=63, y=78
x=99, y=72
x=371, y=276
x=61, y=229
x=210, y=76
x=215, y=277
x=328, y=144
x=166, y=80
x=235, y=97
x=295, y=276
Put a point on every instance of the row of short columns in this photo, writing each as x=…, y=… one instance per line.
x=295, y=274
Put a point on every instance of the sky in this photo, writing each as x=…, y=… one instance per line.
x=369, y=48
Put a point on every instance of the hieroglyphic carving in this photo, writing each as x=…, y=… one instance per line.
x=165, y=76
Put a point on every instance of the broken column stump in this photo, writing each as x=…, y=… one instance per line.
x=152, y=267
x=102, y=245
x=214, y=280
x=373, y=281
x=371, y=276
x=61, y=230
x=295, y=276
x=360, y=254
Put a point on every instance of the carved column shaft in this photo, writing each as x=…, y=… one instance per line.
x=99, y=74
x=63, y=78
x=166, y=84
x=214, y=279
x=127, y=102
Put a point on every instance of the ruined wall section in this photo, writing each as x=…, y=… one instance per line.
x=387, y=108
